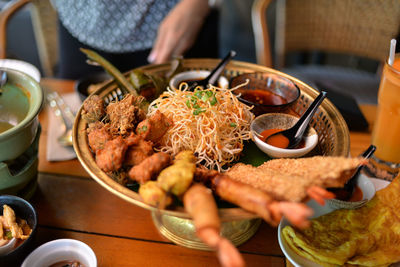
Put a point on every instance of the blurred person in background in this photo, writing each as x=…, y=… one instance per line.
x=132, y=33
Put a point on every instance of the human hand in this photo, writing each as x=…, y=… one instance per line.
x=179, y=29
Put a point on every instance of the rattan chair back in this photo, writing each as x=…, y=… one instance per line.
x=44, y=22
x=361, y=28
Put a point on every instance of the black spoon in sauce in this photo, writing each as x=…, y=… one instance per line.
x=214, y=74
x=345, y=192
x=291, y=137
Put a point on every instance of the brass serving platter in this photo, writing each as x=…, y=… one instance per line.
x=238, y=225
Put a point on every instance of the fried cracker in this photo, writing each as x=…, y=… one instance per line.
x=289, y=179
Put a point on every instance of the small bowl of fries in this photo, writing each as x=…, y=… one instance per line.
x=18, y=243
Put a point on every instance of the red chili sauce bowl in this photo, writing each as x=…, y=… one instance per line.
x=267, y=92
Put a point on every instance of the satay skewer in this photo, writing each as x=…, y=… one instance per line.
x=254, y=200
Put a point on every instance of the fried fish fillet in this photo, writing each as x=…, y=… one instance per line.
x=289, y=179
x=368, y=236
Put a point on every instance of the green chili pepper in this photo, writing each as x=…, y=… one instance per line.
x=193, y=100
x=143, y=129
x=199, y=94
x=205, y=97
x=198, y=111
x=213, y=100
x=9, y=235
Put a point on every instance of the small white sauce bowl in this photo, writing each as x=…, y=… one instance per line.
x=195, y=75
x=368, y=189
x=8, y=247
x=21, y=66
x=281, y=121
x=61, y=250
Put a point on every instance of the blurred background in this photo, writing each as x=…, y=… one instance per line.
x=235, y=32
x=349, y=38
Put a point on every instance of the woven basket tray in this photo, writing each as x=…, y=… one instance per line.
x=328, y=122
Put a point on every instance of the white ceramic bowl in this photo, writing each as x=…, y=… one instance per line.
x=21, y=66
x=368, y=189
x=281, y=121
x=195, y=75
x=61, y=250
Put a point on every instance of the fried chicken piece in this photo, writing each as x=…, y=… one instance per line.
x=98, y=135
x=125, y=114
x=290, y=179
x=110, y=158
x=93, y=108
x=138, y=152
x=133, y=139
x=150, y=167
x=18, y=229
x=154, y=127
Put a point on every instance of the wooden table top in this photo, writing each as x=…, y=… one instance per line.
x=72, y=205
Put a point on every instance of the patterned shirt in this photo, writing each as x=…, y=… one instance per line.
x=114, y=25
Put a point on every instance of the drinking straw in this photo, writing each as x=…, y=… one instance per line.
x=392, y=50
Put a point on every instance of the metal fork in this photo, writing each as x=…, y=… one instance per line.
x=64, y=113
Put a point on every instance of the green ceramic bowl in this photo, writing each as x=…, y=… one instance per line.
x=19, y=176
x=20, y=102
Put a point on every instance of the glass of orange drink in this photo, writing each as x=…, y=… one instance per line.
x=386, y=131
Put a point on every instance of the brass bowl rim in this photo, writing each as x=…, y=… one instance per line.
x=82, y=150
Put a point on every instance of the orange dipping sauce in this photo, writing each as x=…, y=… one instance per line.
x=279, y=140
x=357, y=195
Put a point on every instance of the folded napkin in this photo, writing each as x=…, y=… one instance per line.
x=55, y=151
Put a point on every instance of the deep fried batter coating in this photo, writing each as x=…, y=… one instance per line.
x=124, y=114
x=178, y=177
x=110, y=158
x=133, y=139
x=204, y=175
x=93, y=108
x=289, y=179
x=18, y=227
x=154, y=127
x=153, y=195
x=98, y=135
x=150, y=167
x=138, y=152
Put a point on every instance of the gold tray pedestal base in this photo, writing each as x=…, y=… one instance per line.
x=182, y=231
